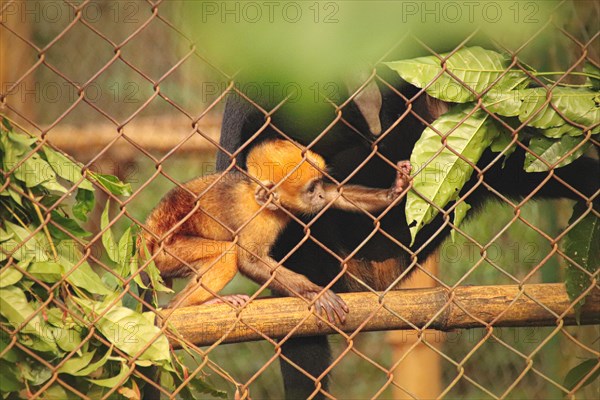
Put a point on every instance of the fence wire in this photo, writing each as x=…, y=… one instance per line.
x=116, y=85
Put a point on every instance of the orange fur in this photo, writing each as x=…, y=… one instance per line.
x=218, y=224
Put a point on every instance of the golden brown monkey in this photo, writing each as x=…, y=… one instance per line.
x=218, y=224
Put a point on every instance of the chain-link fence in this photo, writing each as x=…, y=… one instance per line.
x=125, y=89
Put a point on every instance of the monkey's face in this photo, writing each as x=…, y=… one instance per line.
x=313, y=196
x=308, y=198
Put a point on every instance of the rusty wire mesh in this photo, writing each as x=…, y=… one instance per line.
x=120, y=94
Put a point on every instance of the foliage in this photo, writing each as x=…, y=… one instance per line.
x=582, y=246
x=579, y=373
x=86, y=325
x=497, y=103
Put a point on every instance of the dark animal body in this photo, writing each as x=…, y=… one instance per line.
x=380, y=261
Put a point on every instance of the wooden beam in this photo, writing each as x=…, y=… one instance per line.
x=159, y=134
x=461, y=308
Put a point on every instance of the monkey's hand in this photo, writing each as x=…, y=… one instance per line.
x=403, y=178
x=263, y=195
x=328, y=304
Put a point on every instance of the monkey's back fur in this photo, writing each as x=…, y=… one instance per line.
x=209, y=208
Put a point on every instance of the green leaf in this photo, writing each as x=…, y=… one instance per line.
x=16, y=309
x=441, y=179
x=68, y=332
x=112, y=250
x=577, y=373
x=117, y=380
x=22, y=139
x=84, y=204
x=14, y=148
x=83, y=276
x=36, y=373
x=6, y=124
x=503, y=143
x=167, y=381
x=582, y=245
x=151, y=270
x=57, y=392
x=128, y=330
x=66, y=168
x=591, y=69
x=505, y=103
x=202, y=387
x=13, y=354
x=93, y=366
x=125, y=248
x=68, y=224
x=474, y=67
x=46, y=271
x=8, y=192
x=88, y=369
x=35, y=246
x=112, y=184
x=68, y=339
x=9, y=276
x=552, y=150
x=75, y=364
x=36, y=171
x=581, y=106
x=5, y=236
x=9, y=381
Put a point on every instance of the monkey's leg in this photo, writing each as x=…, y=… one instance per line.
x=184, y=255
x=212, y=274
x=210, y=264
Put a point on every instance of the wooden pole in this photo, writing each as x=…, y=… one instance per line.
x=438, y=308
x=419, y=371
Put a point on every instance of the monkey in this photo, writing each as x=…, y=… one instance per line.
x=217, y=225
x=380, y=260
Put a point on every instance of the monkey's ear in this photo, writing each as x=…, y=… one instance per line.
x=368, y=99
x=263, y=193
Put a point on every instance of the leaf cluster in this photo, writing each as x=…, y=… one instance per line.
x=86, y=323
x=498, y=105
x=494, y=101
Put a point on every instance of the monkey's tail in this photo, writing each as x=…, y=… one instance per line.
x=235, y=116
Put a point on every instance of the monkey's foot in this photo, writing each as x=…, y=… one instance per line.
x=329, y=305
x=237, y=300
x=403, y=176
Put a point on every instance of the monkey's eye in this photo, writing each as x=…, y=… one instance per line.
x=312, y=187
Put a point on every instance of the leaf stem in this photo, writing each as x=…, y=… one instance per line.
x=10, y=210
x=44, y=226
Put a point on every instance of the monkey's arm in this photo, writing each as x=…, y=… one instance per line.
x=291, y=284
x=359, y=198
